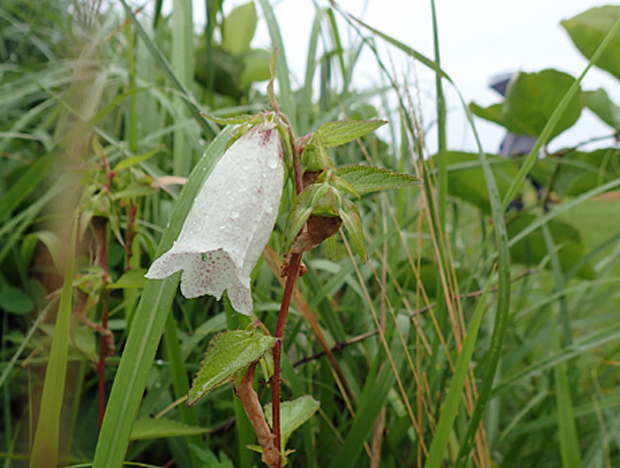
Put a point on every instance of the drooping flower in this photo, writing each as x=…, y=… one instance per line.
x=230, y=222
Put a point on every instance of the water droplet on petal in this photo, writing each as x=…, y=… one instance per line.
x=234, y=215
x=272, y=162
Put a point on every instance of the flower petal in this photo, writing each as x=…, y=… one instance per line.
x=230, y=222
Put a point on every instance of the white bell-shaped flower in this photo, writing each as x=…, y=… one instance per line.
x=230, y=222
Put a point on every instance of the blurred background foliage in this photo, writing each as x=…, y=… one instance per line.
x=98, y=119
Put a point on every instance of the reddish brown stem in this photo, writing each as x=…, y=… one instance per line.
x=130, y=233
x=101, y=259
x=249, y=399
x=289, y=287
x=291, y=280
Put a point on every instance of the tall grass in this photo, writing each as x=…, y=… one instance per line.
x=441, y=349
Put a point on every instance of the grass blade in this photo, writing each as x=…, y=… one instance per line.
x=453, y=399
x=45, y=448
x=149, y=320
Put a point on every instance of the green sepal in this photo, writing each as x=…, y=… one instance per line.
x=314, y=156
x=303, y=206
x=285, y=134
x=352, y=222
x=228, y=353
x=330, y=245
x=237, y=119
x=339, y=133
x=367, y=179
x=271, y=95
x=344, y=186
x=292, y=415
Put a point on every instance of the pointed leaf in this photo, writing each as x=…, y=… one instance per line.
x=132, y=161
x=368, y=179
x=352, y=222
x=303, y=206
x=271, y=95
x=133, y=278
x=152, y=428
x=339, y=133
x=15, y=301
x=228, y=353
x=238, y=28
x=605, y=109
x=530, y=101
x=588, y=29
x=293, y=414
x=238, y=119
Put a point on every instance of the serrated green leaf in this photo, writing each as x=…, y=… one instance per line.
x=152, y=428
x=228, y=353
x=238, y=119
x=368, y=179
x=339, y=133
x=292, y=415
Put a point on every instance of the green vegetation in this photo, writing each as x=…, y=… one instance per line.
x=474, y=334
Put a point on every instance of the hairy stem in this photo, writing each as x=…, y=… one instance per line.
x=249, y=399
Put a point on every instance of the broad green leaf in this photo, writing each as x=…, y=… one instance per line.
x=466, y=178
x=588, y=29
x=532, y=250
x=491, y=113
x=339, y=133
x=293, y=414
x=531, y=98
x=577, y=172
x=15, y=301
x=131, y=279
x=157, y=428
x=83, y=338
x=605, y=109
x=530, y=101
x=255, y=68
x=238, y=28
x=228, y=353
x=368, y=179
